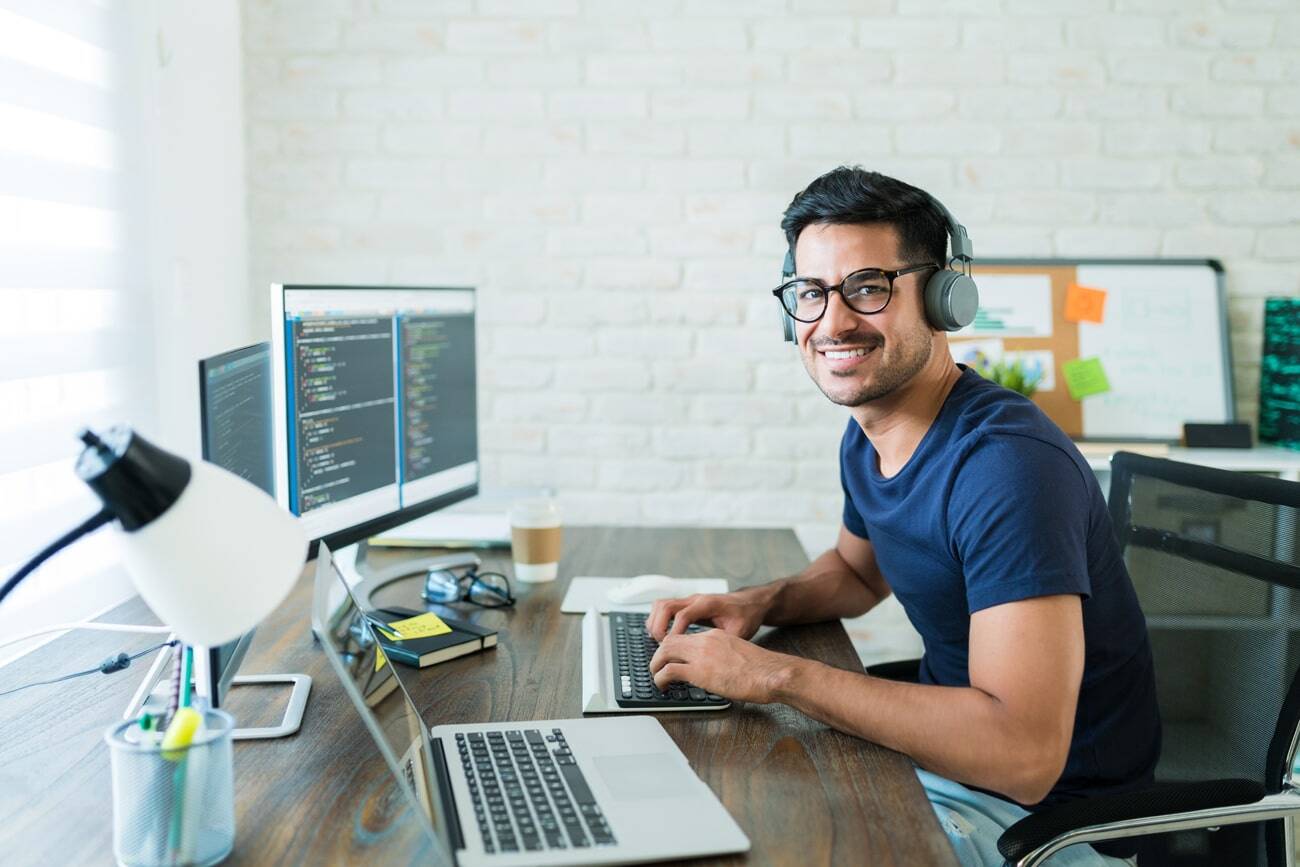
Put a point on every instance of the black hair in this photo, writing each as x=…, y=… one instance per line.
x=852, y=195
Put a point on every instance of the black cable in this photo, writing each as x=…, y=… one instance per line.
x=87, y=526
x=108, y=666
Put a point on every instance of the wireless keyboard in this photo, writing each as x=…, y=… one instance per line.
x=633, y=686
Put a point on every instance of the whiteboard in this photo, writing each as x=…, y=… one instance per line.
x=1164, y=347
x=1162, y=341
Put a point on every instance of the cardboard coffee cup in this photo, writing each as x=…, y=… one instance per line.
x=536, y=537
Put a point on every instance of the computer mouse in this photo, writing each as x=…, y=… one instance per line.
x=643, y=588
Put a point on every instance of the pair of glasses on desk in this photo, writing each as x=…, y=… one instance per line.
x=485, y=589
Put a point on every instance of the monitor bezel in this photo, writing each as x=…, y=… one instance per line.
x=279, y=410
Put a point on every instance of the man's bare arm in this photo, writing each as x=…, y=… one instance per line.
x=1008, y=732
x=844, y=582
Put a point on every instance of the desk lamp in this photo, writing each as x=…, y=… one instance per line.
x=209, y=552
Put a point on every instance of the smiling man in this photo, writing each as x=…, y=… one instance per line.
x=965, y=501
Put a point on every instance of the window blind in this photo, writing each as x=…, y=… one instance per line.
x=70, y=352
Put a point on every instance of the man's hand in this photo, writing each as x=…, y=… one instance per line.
x=720, y=663
x=739, y=613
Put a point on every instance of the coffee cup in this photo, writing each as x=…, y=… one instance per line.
x=536, y=536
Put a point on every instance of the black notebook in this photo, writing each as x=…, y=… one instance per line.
x=463, y=638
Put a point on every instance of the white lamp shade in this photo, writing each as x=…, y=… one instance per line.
x=220, y=559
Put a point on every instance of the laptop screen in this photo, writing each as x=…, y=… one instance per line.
x=386, y=709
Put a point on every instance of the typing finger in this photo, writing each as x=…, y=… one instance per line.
x=662, y=612
x=673, y=671
x=696, y=609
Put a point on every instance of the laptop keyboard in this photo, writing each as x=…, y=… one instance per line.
x=633, y=685
x=529, y=793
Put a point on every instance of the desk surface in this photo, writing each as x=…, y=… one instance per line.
x=802, y=792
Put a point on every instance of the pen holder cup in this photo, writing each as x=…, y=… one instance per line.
x=173, y=807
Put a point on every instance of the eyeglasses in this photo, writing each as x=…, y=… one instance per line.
x=485, y=589
x=866, y=291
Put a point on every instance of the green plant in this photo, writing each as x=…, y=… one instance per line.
x=1014, y=374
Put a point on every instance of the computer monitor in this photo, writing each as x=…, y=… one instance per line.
x=376, y=406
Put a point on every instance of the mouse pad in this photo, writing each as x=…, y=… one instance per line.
x=586, y=592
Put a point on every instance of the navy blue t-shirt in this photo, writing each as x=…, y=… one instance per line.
x=997, y=505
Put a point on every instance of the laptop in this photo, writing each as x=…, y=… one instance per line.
x=575, y=791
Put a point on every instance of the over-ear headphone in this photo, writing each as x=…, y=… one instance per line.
x=951, y=298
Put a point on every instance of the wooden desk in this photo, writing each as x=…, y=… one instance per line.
x=804, y=793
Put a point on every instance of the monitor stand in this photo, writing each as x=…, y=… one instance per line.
x=154, y=692
x=365, y=580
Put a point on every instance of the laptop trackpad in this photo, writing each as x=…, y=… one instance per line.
x=648, y=775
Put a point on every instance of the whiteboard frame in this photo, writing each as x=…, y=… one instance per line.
x=1225, y=339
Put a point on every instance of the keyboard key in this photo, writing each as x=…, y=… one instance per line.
x=577, y=784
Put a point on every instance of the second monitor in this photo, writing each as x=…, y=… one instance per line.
x=376, y=405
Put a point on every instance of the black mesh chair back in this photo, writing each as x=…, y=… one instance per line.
x=1215, y=559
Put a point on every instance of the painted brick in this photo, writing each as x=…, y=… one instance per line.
x=1013, y=34
x=797, y=104
x=1256, y=207
x=1107, y=241
x=711, y=139
x=704, y=441
x=643, y=342
x=599, y=440
x=1218, y=101
x=1059, y=68
x=996, y=173
x=1254, y=66
x=606, y=374
x=969, y=67
x=531, y=139
x=1151, y=209
x=841, y=141
x=634, y=208
x=1283, y=171
x=1096, y=173
x=1214, y=173
x=641, y=474
x=1224, y=31
x=698, y=34
x=394, y=36
x=807, y=34
x=693, y=103
x=636, y=137
x=1010, y=103
x=645, y=409
x=547, y=471
x=695, y=175
x=385, y=103
x=950, y=138
x=607, y=240
x=699, y=375
x=589, y=104
x=885, y=104
x=1218, y=242
x=1135, y=138
x=745, y=475
x=634, y=69
x=496, y=36
x=458, y=139
x=551, y=407
x=1109, y=32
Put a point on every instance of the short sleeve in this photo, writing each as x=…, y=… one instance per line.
x=850, y=464
x=1018, y=519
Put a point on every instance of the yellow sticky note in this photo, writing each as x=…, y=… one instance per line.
x=1084, y=303
x=380, y=659
x=420, y=626
x=1085, y=377
x=391, y=636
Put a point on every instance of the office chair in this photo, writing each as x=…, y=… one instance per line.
x=1215, y=559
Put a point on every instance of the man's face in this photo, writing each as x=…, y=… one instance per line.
x=856, y=358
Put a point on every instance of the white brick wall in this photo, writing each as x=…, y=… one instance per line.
x=610, y=175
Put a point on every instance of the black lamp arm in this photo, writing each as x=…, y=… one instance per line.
x=88, y=526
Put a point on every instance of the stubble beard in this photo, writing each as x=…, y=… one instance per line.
x=897, y=363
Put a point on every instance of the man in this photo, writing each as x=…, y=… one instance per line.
x=963, y=499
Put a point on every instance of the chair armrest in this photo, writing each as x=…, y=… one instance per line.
x=1038, y=829
x=905, y=670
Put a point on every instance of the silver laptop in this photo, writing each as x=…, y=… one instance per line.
x=576, y=791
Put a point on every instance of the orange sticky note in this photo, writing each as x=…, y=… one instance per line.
x=1084, y=303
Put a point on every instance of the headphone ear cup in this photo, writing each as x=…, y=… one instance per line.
x=787, y=326
x=951, y=300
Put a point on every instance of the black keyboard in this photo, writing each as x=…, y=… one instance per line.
x=529, y=793
x=633, y=685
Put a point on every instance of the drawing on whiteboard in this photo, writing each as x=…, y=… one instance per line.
x=1012, y=305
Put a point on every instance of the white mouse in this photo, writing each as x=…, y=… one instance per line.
x=643, y=588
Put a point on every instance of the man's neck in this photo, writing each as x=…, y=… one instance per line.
x=895, y=424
